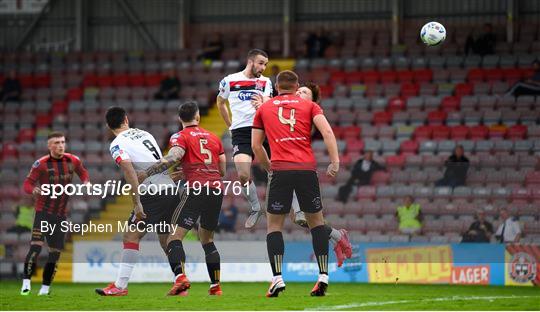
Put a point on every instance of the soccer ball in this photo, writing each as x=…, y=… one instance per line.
x=433, y=33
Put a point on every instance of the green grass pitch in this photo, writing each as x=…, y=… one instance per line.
x=250, y=296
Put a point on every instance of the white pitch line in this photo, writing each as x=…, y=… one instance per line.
x=381, y=303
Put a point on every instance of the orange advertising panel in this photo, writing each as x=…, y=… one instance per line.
x=422, y=264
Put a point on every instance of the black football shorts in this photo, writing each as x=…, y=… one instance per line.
x=282, y=184
x=205, y=206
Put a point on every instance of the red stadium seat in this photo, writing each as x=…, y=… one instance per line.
x=382, y=118
x=512, y=74
x=136, y=80
x=493, y=74
x=59, y=107
x=354, y=77
x=105, y=81
x=43, y=120
x=395, y=161
x=90, y=80
x=9, y=150
x=27, y=81
x=355, y=146
x=380, y=177
x=405, y=76
x=410, y=89
x=517, y=132
x=351, y=132
x=152, y=80
x=423, y=133
x=436, y=117
x=371, y=77
x=26, y=135
x=42, y=81
x=479, y=132
x=459, y=132
x=521, y=193
x=441, y=132
x=533, y=178
x=475, y=75
x=423, y=75
x=75, y=94
x=497, y=131
x=396, y=104
x=463, y=89
x=409, y=147
x=388, y=76
x=338, y=77
x=120, y=80
x=450, y=104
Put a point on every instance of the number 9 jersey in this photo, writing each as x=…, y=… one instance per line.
x=202, y=150
x=142, y=150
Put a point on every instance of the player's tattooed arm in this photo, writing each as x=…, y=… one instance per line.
x=257, y=139
x=172, y=159
x=223, y=110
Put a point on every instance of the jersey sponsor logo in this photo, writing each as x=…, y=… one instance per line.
x=222, y=85
x=522, y=267
x=260, y=84
x=277, y=206
x=36, y=164
x=115, y=149
x=246, y=95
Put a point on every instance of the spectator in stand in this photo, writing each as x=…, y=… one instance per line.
x=480, y=230
x=361, y=175
x=509, y=230
x=25, y=216
x=484, y=44
x=227, y=218
x=169, y=88
x=409, y=216
x=457, y=166
x=213, y=48
x=11, y=88
x=317, y=43
x=530, y=86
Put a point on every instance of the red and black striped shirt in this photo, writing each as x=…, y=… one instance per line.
x=50, y=170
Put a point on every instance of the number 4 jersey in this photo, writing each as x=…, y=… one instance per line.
x=142, y=150
x=287, y=121
x=202, y=150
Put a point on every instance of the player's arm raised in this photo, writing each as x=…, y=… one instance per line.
x=173, y=158
x=131, y=178
x=330, y=141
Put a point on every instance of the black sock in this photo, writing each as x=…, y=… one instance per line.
x=50, y=267
x=276, y=248
x=212, y=262
x=177, y=256
x=319, y=236
x=31, y=261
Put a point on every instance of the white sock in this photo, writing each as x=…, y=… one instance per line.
x=44, y=289
x=26, y=284
x=250, y=192
x=129, y=259
x=335, y=236
x=213, y=285
x=177, y=276
x=295, y=203
x=277, y=278
x=323, y=278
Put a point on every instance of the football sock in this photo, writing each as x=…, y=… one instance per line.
x=44, y=289
x=295, y=204
x=212, y=262
x=177, y=256
x=250, y=192
x=276, y=248
x=31, y=260
x=130, y=256
x=50, y=267
x=335, y=235
x=319, y=236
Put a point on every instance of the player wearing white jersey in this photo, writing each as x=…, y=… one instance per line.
x=132, y=150
x=238, y=89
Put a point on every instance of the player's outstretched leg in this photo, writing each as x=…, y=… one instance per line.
x=177, y=259
x=243, y=167
x=29, y=267
x=276, y=248
x=130, y=256
x=49, y=271
x=299, y=216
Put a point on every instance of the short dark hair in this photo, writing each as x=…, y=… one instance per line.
x=188, y=111
x=115, y=117
x=286, y=80
x=254, y=52
x=55, y=134
x=315, y=91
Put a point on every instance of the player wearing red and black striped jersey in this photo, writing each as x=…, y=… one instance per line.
x=56, y=168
